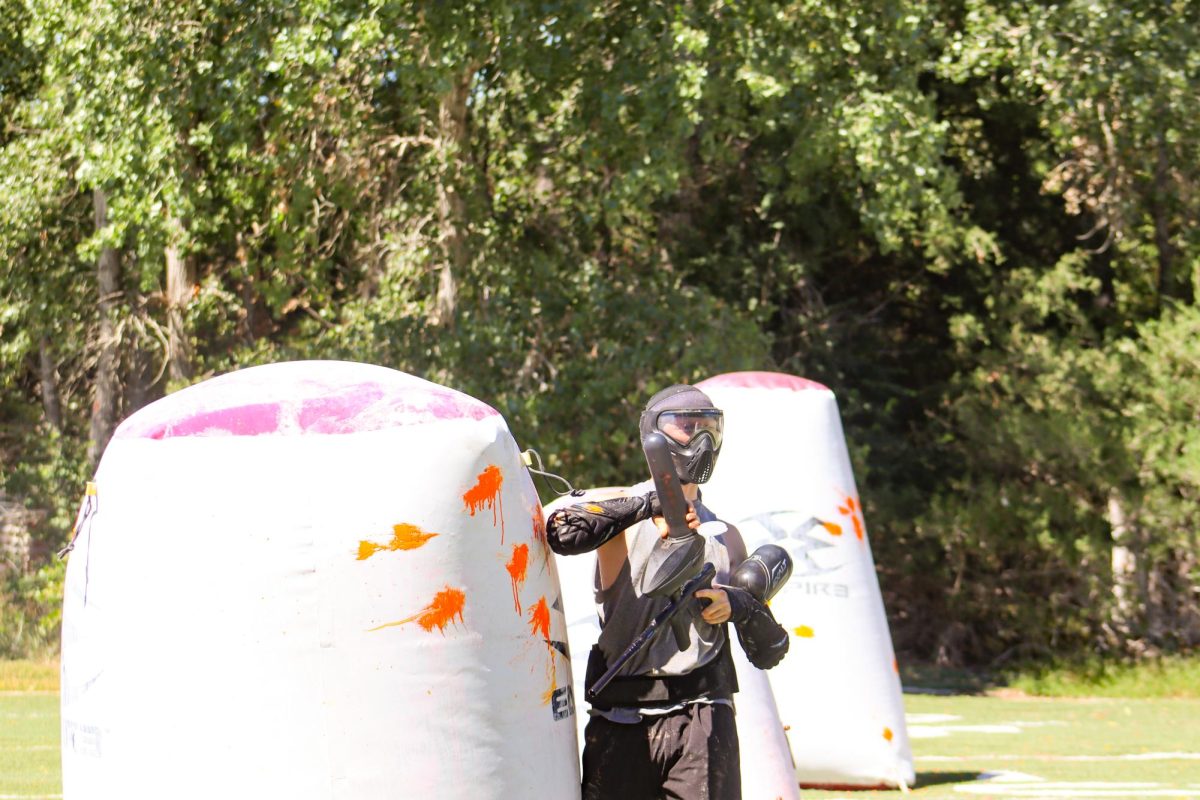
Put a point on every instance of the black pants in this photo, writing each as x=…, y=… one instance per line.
x=690, y=754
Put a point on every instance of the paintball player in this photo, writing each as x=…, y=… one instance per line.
x=664, y=727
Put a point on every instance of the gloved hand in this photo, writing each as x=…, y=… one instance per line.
x=584, y=526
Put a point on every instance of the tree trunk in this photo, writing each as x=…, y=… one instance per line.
x=179, y=293
x=1159, y=199
x=1124, y=568
x=141, y=388
x=106, y=397
x=48, y=378
x=452, y=212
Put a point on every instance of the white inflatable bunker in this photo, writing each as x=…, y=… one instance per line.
x=766, y=763
x=314, y=580
x=784, y=477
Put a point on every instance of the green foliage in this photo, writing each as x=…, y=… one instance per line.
x=974, y=220
x=31, y=612
x=1163, y=677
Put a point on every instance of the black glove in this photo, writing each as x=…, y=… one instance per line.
x=584, y=526
x=765, y=641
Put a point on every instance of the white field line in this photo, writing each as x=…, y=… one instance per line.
x=1020, y=784
x=1039, y=791
x=24, y=748
x=1040, y=757
x=919, y=731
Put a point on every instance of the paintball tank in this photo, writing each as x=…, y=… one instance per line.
x=764, y=573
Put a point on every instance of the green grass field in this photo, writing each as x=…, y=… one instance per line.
x=965, y=746
x=29, y=748
x=1051, y=747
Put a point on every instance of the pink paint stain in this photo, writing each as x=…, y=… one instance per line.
x=301, y=398
x=760, y=380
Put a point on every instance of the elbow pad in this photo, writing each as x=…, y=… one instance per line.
x=763, y=639
x=582, y=527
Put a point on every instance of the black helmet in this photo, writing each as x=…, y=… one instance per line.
x=692, y=426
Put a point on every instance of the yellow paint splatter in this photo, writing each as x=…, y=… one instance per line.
x=404, y=537
x=887, y=734
x=446, y=605
x=803, y=631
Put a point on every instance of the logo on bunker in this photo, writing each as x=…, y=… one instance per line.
x=562, y=703
x=792, y=530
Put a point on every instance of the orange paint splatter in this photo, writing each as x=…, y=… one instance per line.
x=803, y=631
x=404, y=537
x=853, y=510
x=887, y=734
x=486, y=492
x=447, y=604
x=832, y=527
x=539, y=618
x=539, y=526
x=539, y=625
x=516, y=570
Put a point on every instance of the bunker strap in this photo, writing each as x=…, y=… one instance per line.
x=584, y=526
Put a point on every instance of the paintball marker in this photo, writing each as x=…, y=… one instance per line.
x=675, y=569
x=677, y=558
x=703, y=580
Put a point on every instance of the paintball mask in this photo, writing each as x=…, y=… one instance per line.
x=692, y=426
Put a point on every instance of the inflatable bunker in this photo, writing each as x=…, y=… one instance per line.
x=314, y=580
x=784, y=477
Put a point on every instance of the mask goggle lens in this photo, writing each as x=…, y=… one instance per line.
x=685, y=426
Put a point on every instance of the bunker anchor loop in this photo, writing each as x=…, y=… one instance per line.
x=532, y=460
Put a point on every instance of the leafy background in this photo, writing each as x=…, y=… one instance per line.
x=976, y=221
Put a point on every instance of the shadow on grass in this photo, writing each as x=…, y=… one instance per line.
x=928, y=779
x=931, y=679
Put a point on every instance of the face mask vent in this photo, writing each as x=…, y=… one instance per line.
x=699, y=467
